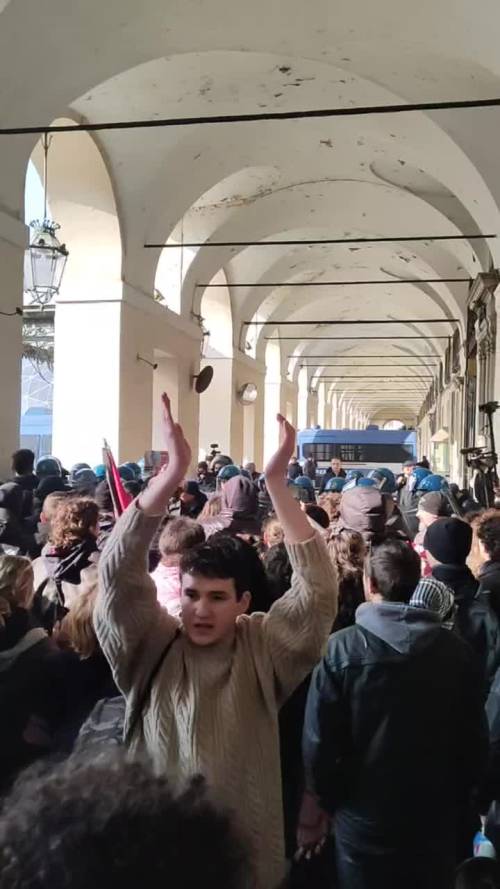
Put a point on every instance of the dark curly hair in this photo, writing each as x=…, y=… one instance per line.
x=278, y=569
x=488, y=532
x=112, y=822
x=227, y=557
x=318, y=515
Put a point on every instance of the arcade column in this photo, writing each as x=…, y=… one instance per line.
x=13, y=240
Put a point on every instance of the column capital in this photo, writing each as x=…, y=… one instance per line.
x=483, y=287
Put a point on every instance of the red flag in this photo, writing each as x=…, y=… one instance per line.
x=120, y=497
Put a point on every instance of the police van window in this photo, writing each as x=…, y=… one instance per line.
x=362, y=453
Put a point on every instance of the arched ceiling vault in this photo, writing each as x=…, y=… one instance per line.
x=385, y=175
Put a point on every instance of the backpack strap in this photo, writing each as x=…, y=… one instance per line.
x=146, y=693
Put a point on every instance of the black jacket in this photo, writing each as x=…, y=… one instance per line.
x=13, y=531
x=328, y=475
x=309, y=470
x=34, y=694
x=489, y=585
x=394, y=728
x=27, y=483
x=475, y=621
x=408, y=505
x=294, y=471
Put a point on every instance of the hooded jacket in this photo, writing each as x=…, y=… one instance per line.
x=240, y=509
x=475, y=621
x=394, y=725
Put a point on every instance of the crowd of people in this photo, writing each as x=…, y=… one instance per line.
x=246, y=679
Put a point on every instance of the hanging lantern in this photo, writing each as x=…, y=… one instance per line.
x=44, y=262
x=45, y=258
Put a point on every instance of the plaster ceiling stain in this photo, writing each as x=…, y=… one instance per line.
x=285, y=69
x=326, y=142
x=207, y=85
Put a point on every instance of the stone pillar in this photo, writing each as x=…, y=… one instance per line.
x=216, y=405
x=312, y=409
x=291, y=402
x=13, y=239
x=247, y=421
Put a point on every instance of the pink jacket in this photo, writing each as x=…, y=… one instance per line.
x=167, y=579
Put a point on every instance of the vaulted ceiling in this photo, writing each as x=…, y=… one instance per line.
x=370, y=176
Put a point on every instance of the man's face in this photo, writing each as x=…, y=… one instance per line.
x=187, y=498
x=336, y=466
x=407, y=470
x=210, y=608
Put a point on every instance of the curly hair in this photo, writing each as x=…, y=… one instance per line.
x=113, y=822
x=348, y=552
x=272, y=531
x=475, y=559
x=73, y=521
x=278, y=569
x=16, y=585
x=224, y=556
x=330, y=502
x=488, y=532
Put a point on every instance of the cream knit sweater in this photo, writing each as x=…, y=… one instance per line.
x=214, y=710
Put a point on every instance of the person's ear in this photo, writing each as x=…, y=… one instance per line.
x=245, y=602
x=369, y=587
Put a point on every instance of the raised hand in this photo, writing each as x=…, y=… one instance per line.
x=154, y=500
x=294, y=522
x=278, y=464
x=179, y=452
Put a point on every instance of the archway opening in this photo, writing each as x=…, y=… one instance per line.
x=172, y=269
x=393, y=425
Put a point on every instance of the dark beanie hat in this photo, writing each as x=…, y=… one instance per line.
x=449, y=541
x=191, y=487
